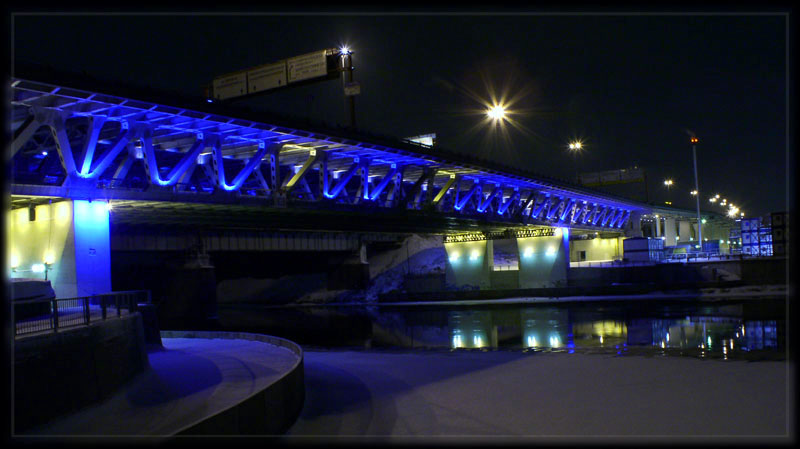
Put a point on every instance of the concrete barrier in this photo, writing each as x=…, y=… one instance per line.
x=270, y=411
x=60, y=372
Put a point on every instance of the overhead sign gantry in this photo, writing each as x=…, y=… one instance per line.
x=298, y=70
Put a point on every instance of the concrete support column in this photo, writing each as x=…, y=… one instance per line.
x=658, y=226
x=69, y=239
x=544, y=261
x=469, y=264
x=684, y=231
x=669, y=231
x=634, y=229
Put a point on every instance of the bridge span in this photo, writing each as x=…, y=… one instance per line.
x=86, y=157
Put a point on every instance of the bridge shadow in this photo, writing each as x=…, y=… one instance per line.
x=167, y=379
x=355, y=382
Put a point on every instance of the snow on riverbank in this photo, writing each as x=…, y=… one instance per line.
x=503, y=393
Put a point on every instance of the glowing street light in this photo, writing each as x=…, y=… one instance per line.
x=694, y=192
x=576, y=145
x=496, y=112
x=345, y=50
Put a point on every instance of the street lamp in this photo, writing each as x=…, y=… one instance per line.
x=575, y=147
x=496, y=113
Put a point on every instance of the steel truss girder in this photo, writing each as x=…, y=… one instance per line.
x=332, y=193
x=485, y=203
x=291, y=181
x=460, y=202
x=376, y=192
x=188, y=161
x=87, y=162
x=414, y=194
x=513, y=199
x=443, y=190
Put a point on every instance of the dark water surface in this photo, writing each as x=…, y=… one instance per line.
x=752, y=329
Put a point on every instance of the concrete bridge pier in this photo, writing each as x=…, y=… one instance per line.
x=543, y=262
x=685, y=230
x=66, y=242
x=670, y=232
x=469, y=264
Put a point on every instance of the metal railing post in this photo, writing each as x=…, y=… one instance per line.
x=86, y=312
x=103, y=306
x=55, y=315
x=116, y=302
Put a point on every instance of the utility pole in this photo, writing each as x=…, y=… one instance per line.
x=697, y=189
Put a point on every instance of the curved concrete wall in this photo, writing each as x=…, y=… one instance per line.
x=58, y=373
x=270, y=411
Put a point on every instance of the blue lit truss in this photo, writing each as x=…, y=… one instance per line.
x=70, y=142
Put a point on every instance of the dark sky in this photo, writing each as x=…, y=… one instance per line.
x=632, y=87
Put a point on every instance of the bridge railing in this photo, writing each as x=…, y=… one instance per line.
x=51, y=315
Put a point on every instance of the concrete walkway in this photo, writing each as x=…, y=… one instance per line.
x=476, y=396
x=189, y=380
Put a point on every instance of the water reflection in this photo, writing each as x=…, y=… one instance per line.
x=545, y=327
x=722, y=332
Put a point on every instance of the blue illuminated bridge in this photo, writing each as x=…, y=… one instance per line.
x=76, y=138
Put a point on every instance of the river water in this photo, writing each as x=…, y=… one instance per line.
x=749, y=329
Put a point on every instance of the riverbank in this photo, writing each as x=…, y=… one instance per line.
x=700, y=291
x=511, y=396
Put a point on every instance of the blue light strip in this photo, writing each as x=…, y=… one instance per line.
x=343, y=180
x=485, y=203
x=460, y=202
x=504, y=207
x=173, y=121
x=386, y=179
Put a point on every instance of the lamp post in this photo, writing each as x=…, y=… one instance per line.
x=697, y=189
x=574, y=148
x=347, y=66
x=668, y=183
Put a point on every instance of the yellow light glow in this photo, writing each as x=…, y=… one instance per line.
x=49, y=258
x=496, y=112
x=62, y=211
x=13, y=261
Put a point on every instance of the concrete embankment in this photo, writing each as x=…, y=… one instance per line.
x=200, y=383
x=58, y=373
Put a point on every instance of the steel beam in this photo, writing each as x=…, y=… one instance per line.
x=443, y=190
x=482, y=205
x=384, y=182
x=290, y=183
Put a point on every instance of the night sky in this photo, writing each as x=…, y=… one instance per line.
x=632, y=87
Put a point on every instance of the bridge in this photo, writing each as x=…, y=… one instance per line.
x=154, y=158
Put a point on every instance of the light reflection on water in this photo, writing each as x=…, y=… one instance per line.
x=720, y=332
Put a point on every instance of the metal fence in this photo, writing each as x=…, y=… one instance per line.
x=50, y=315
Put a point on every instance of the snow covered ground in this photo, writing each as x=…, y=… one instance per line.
x=506, y=394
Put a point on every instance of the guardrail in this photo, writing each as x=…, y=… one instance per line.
x=53, y=314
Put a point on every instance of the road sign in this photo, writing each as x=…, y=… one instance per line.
x=265, y=77
x=351, y=89
x=309, y=65
x=229, y=86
